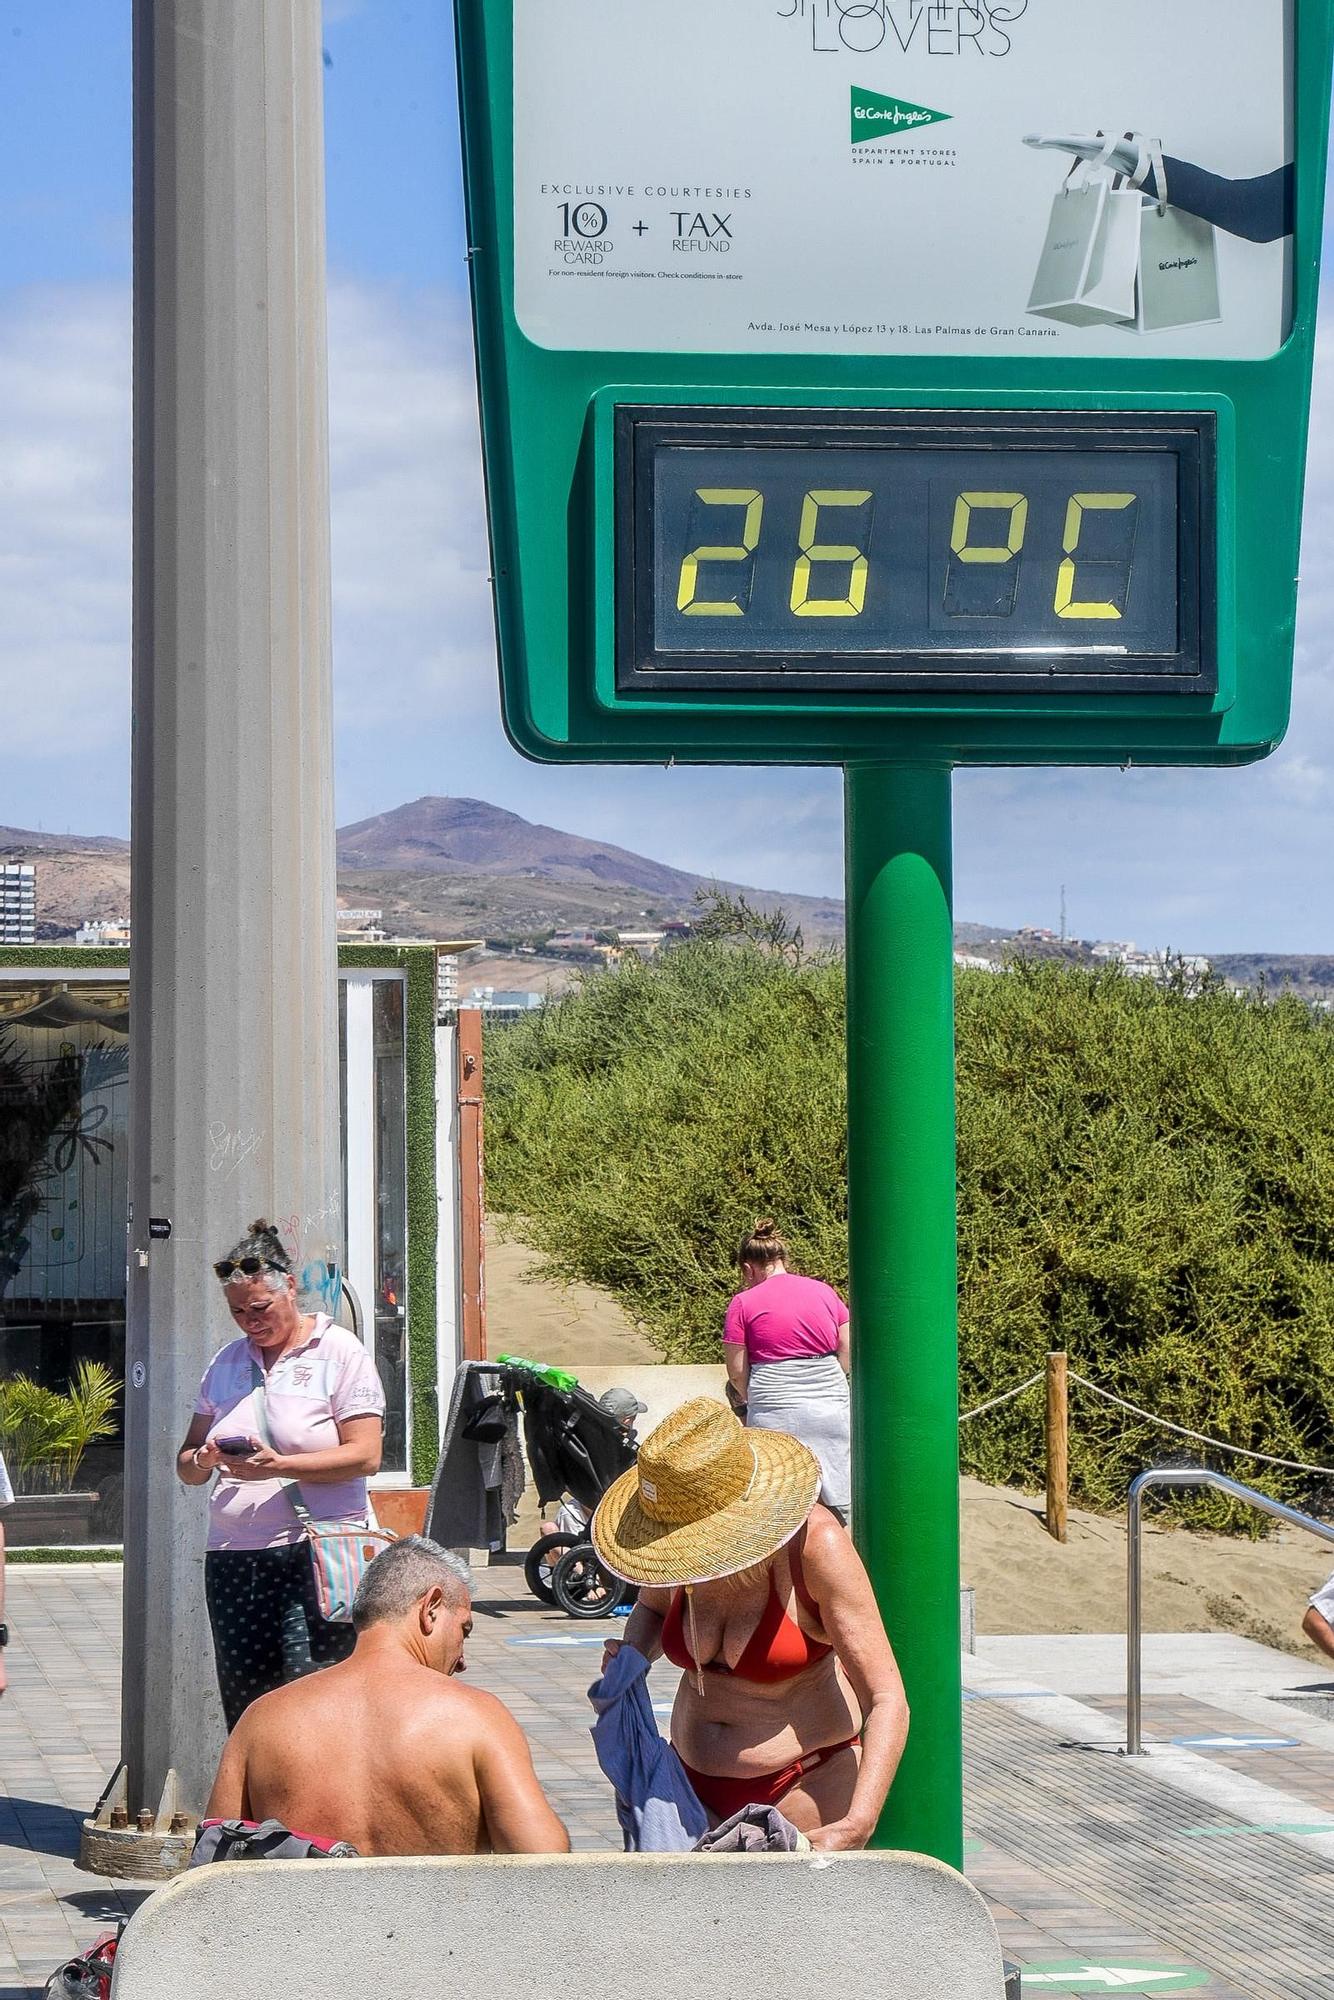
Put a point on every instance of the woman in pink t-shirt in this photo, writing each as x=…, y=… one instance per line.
x=294, y=1402
x=787, y=1346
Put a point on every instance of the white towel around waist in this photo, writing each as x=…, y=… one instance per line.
x=808, y=1398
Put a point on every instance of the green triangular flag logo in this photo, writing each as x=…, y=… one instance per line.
x=877, y=117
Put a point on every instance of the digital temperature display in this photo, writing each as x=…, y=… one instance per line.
x=794, y=550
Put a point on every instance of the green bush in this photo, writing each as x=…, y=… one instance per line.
x=1146, y=1179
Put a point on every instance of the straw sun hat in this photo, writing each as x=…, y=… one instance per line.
x=705, y=1499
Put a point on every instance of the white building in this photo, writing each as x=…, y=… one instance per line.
x=95, y=931
x=1114, y=949
x=361, y=926
x=18, y=902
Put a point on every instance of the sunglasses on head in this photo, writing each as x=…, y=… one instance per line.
x=228, y=1268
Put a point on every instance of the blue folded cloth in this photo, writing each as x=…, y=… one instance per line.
x=655, y=1804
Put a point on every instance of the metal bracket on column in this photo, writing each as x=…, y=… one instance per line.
x=157, y=1847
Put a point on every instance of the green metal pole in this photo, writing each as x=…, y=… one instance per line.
x=902, y=1218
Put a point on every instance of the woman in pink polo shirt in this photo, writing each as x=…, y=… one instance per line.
x=295, y=1401
x=787, y=1347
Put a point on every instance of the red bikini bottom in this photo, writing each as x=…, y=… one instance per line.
x=724, y=1796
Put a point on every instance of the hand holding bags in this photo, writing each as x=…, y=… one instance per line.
x=1115, y=257
x=1086, y=272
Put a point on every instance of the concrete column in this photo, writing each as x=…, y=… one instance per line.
x=234, y=1073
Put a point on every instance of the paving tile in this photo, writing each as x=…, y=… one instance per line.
x=1079, y=1855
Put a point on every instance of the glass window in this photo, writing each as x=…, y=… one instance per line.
x=64, y=1117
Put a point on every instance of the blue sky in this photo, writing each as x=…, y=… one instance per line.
x=1197, y=860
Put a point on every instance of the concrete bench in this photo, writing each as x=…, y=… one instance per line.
x=586, y=1926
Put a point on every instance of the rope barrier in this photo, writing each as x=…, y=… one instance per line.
x=1163, y=1423
x=996, y=1401
x=1200, y=1437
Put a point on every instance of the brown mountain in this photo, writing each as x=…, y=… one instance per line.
x=435, y=836
x=444, y=867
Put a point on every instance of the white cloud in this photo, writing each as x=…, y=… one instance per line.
x=64, y=552
x=412, y=604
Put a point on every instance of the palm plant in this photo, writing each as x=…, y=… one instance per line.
x=44, y=1433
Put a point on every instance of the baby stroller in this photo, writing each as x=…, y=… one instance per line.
x=577, y=1445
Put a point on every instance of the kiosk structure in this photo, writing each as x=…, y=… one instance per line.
x=827, y=421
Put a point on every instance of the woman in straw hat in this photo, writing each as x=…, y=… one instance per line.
x=790, y=1695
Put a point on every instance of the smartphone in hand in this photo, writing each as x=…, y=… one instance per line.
x=235, y=1447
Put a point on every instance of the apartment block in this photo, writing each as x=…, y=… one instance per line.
x=18, y=902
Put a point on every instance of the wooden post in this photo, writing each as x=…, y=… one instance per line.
x=1058, y=1445
x=472, y=1200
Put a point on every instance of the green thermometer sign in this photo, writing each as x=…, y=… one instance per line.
x=899, y=386
x=888, y=379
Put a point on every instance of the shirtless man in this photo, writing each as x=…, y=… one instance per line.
x=385, y=1750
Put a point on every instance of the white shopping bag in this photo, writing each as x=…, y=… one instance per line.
x=1109, y=288
x=1086, y=271
x=1178, y=262
x=1178, y=270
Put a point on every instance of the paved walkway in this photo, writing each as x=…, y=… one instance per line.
x=1206, y=1867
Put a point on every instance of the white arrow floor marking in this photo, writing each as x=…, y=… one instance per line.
x=1110, y=1977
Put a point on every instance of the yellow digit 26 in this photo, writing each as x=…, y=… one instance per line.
x=813, y=551
x=728, y=607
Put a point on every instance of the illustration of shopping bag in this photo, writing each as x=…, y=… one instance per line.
x=1178, y=261
x=1109, y=288
x=1086, y=270
x=1178, y=270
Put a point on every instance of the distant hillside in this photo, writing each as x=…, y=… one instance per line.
x=443, y=867
x=438, y=836
x=446, y=867
x=19, y=843
x=78, y=876
x=438, y=868
x=1311, y=976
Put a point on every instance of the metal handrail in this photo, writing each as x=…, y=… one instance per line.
x=1181, y=1475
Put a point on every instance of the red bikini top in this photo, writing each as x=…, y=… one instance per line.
x=778, y=1649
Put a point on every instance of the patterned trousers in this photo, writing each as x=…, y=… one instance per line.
x=266, y=1622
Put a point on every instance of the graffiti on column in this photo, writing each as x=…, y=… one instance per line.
x=319, y=1276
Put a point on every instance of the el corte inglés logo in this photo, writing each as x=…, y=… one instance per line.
x=877, y=117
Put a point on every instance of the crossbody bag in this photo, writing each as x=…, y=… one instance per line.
x=340, y=1552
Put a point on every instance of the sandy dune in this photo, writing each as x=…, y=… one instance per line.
x=1025, y=1582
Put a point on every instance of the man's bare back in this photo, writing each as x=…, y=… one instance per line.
x=386, y=1750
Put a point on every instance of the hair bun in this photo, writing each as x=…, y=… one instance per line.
x=766, y=1226
x=261, y=1227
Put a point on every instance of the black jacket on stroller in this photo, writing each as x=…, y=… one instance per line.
x=574, y=1447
